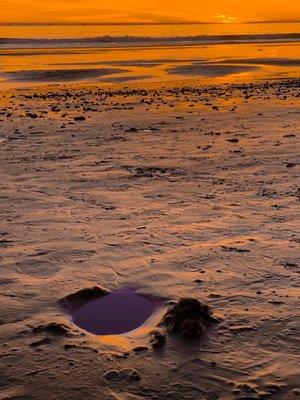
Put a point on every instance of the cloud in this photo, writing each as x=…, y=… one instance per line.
x=147, y=10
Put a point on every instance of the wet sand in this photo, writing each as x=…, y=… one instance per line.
x=207, y=69
x=60, y=75
x=211, y=64
x=177, y=191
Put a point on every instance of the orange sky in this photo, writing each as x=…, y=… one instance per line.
x=148, y=10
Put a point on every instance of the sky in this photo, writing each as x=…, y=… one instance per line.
x=148, y=11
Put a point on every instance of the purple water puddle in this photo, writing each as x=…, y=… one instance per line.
x=118, y=312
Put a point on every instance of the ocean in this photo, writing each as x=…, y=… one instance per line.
x=118, y=54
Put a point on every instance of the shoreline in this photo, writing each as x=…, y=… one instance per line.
x=185, y=84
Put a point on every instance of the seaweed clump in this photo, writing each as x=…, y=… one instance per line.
x=188, y=318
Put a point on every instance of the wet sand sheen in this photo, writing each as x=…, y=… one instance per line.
x=210, y=64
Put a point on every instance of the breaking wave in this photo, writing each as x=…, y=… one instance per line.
x=128, y=41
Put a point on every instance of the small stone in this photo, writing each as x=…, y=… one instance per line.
x=234, y=140
x=125, y=374
x=140, y=348
x=31, y=115
x=158, y=341
x=80, y=118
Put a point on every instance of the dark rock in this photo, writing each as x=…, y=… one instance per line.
x=290, y=265
x=125, y=374
x=31, y=115
x=236, y=249
x=154, y=172
x=234, y=140
x=188, y=318
x=158, y=340
x=80, y=118
x=68, y=346
x=132, y=130
x=276, y=302
x=140, y=348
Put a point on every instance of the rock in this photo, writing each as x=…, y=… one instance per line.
x=290, y=165
x=238, y=250
x=132, y=130
x=31, y=115
x=138, y=349
x=154, y=172
x=234, y=140
x=68, y=346
x=276, y=302
x=215, y=295
x=290, y=265
x=125, y=374
x=80, y=118
x=188, y=318
x=158, y=340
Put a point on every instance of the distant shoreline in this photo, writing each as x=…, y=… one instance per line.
x=140, y=23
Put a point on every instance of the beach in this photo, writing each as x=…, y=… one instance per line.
x=182, y=189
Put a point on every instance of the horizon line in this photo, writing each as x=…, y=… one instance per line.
x=144, y=23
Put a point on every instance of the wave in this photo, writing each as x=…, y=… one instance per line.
x=118, y=41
